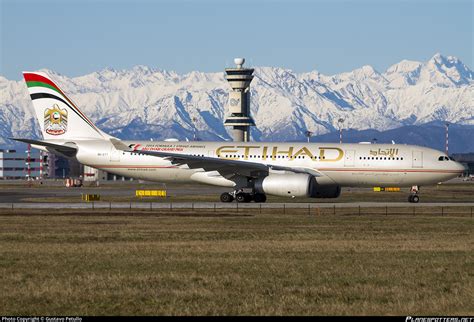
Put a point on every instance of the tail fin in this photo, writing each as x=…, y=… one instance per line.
x=58, y=116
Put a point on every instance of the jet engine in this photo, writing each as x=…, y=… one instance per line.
x=295, y=185
x=326, y=191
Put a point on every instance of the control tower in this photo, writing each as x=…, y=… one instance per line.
x=238, y=115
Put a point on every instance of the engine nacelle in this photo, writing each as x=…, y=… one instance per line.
x=325, y=191
x=295, y=185
x=286, y=185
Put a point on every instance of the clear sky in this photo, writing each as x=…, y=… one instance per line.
x=78, y=37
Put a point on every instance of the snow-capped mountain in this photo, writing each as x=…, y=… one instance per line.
x=144, y=103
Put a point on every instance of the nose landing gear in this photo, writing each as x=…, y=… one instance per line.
x=413, y=197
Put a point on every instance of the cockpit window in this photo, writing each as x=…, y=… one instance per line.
x=444, y=158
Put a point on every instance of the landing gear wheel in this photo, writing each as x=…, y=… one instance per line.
x=413, y=198
x=260, y=197
x=243, y=197
x=240, y=197
x=226, y=197
x=248, y=197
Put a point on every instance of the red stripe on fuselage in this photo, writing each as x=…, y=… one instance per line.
x=389, y=170
x=325, y=169
x=104, y=166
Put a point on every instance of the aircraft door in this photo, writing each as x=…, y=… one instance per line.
x=417, y=161
x=349, y=158
x=115, y=154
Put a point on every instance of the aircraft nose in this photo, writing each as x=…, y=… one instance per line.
x=461, y=167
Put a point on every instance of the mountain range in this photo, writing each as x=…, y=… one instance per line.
x=148, y=103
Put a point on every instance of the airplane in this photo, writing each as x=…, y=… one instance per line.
x=251, y=170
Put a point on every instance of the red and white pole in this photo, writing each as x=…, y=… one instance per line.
x=447, y=137
x=41, y=164
x=28, y=162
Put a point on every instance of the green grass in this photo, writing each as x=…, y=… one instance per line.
x=77, y=263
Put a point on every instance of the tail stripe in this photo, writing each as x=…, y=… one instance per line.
x=46, y=95
x=35, y=80
x=41, y=84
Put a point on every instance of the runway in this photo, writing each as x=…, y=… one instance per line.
x=19, y=190
x=121, y=195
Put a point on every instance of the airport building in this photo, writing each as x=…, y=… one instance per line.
x=467, y=159
x=35, y=164
x=92, y=174
x=61, y=168
x=20, y=164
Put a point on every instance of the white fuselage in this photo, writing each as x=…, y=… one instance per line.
x=289, y=169
x=341, y=164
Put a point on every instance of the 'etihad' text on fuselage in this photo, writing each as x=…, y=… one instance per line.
x=324, y=154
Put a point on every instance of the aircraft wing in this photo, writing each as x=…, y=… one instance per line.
x=226, y=167
x=58, y=148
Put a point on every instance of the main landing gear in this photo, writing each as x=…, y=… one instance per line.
x=241, y=196
x=413, y=197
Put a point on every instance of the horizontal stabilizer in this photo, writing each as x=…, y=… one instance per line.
x=63, y=149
